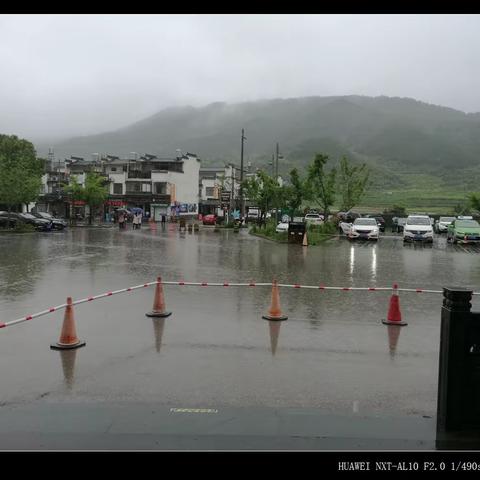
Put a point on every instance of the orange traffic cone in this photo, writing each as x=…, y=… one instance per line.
x=275, y=313
x=274, y=334
x=393, y=335
x=158, y=302
x=394, y=316
x=68, y=336
x=305, y=241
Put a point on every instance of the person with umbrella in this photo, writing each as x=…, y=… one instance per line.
x=137, y=217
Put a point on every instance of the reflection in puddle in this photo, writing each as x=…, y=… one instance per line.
x=393, y=336
x=158, y=326
x=68, y=365
x=352, y=259
x=374, y=262
x=274, y=327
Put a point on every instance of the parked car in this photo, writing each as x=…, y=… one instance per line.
x=348, y=217
x=314, y=218
x=463, y=231
x=364, y=228
x=13, y=219
x=418, y=228
x=6, y=221
x=282, y=227
x=398, y=224
x=209, y=219
x=58, y=223
x=253, y=214
x=441, y=225
x=380, y=221
x=344, y=227
x=38, y=223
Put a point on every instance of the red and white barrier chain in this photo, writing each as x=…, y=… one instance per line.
x=214, y=284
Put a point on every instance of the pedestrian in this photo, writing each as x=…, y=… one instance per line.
x=121, y=221
x=135, y=221
x=139, y=224
x=164, y=219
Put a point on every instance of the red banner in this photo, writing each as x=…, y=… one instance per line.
x=115, y=203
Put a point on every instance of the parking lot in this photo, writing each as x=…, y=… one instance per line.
x=215, y=351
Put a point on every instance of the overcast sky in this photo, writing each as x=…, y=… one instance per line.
x=66, y=75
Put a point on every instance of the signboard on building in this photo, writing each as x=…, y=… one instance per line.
x=116, y=203
x=225, y=197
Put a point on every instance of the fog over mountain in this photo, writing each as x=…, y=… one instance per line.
x=77, y=75
x=393, y=129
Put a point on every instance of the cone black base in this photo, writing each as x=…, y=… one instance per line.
x=268, y=317
x=388, y=322
x=60, y=346
x=158, y=314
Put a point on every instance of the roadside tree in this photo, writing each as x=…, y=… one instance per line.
x=352, y=182
x=264, y=191
x=320, y=185
x=95, y=192
x=294, y=193
x=75, y=191
x=20, y=172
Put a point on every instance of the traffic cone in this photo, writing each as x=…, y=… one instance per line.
x=394, y=316
x=275, y=313
x=158, y=302
x=393, y=336
x=68, y=336
x=274, y=334
x=305, y=241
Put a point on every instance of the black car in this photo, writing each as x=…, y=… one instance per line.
x=38, y=223
x=57, y=223
x=13, y=219
x=398, y=225
x=347, y=217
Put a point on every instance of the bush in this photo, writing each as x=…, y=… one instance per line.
x=23, y=228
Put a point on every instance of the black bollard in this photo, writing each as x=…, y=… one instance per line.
x=458, y=413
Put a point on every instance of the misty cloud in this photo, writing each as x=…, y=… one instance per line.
x=65, y=75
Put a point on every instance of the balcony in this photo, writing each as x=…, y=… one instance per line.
x=140, y=175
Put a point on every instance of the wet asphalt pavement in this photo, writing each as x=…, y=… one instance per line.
x=215, y=351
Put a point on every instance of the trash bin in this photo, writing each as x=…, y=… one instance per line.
x=296, y=231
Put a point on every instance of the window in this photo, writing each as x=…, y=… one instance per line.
x=161, y=188
x=117, y=188
x=209, y=191
x=113, y=169
x=146, y=187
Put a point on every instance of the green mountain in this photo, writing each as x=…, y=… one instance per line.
x=405, y=141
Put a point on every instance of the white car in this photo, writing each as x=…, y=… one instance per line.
x=345, y=227
x=314, y=218
x=418, y=227
x=365, y=228
x=282, y=227
x=441, y=225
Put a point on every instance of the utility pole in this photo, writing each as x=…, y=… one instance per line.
x=276, y=180
x=242, y=206
x=276, y=165
x=232, y=194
